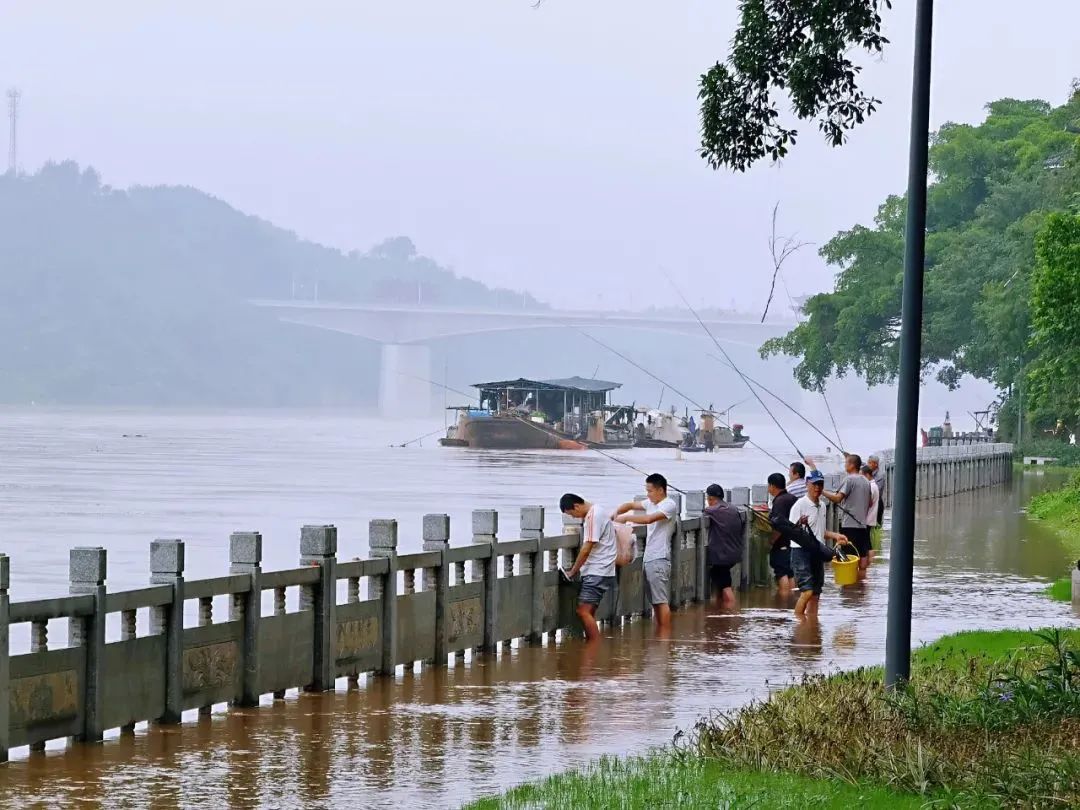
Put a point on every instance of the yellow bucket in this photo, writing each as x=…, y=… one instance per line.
x=846, y=572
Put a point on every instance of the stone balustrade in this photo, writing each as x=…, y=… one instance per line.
x=427, y=607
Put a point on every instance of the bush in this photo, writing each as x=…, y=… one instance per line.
x=994, y=731
x=1067, y=455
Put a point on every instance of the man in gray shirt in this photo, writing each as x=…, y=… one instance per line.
x=853, y=498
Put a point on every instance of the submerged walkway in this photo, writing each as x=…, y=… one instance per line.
x=445, y=736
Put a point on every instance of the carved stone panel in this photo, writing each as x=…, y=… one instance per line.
x=357, y=636
x=210, y=666
x=466, y=618
x=44, y=698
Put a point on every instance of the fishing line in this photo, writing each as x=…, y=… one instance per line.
x=825, y=399
x=605, y=455
x=728, y=358
x=782, y=401
x=419, y=438
x=697, y=405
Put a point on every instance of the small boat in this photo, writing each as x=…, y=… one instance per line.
x=711, y=436
x=656, y=428
x=522, y=414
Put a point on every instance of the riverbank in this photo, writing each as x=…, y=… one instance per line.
x=993, y=717
x=1060, y=511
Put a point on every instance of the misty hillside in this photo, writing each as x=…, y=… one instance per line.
x=138, y=297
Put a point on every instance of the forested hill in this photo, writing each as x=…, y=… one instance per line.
x=137, y=297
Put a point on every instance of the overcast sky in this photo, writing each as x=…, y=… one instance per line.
x=551, y=149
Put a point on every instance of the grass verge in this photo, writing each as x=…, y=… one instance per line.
x=663, y=780
x=992, y=718
x=1060, y=510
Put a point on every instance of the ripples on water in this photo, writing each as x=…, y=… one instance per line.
x=441, y=737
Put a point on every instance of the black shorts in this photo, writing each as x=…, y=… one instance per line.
x=720, y=576
x=860, y=538
x=780, y=562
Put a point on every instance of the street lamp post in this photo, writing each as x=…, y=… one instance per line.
x=902, y=549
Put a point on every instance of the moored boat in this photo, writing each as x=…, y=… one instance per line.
x=523, y=414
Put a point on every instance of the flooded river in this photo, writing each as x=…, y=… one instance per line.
x=440, y=737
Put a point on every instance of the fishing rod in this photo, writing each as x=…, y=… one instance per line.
x=728, y=358
x=782, y=401
x=748, y=385
x=689, y=399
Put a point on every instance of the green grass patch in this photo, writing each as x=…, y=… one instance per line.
x=1061, y=590
x=991, y=647
x=1060, y=511
x=990, y=719
x=662, y=780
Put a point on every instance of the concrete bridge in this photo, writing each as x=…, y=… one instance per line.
x=406, y=332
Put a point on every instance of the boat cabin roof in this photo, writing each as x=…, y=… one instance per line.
x=565, y=384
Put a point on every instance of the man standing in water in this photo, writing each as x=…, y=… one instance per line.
x=660, y=515
x=878, y=474
x=780, y=553
x=725, y=543
x=853, y=498
x=595, y=561
x=809, y=511
x=875, y=508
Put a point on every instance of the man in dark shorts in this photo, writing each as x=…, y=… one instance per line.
x=595, y=561
x=780, y=552
x=726, y=543
x=853, y=498
x=810, y=511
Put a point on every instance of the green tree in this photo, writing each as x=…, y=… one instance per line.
x=798, y=48
x=993, y=187
x=1054, y=376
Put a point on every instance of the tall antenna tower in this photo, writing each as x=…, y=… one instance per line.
x=13, y=142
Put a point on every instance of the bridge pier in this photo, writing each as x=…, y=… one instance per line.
x=404, y=389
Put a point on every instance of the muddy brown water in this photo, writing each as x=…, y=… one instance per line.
x=443, y=737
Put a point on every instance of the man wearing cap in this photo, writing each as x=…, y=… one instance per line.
x=726, y=543
x=810, y=511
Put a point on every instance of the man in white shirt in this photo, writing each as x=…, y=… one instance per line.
x=660, y=515
x=810, y=511
x=596, y=558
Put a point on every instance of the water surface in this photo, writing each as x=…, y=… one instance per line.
x=442, y=737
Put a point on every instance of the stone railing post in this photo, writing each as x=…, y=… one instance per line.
x=167, y=568
x=245, y=557
x=485, y=526
x=5, y=659
x=382, y=543
x=532, y=528
x=87, y=576
x=436, y=531
x=759, y=494
x=318, y=546
x=571, y=526
x=695, y=508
